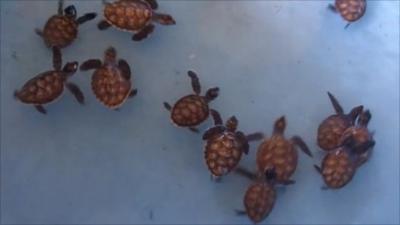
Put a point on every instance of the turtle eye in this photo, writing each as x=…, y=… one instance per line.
x=70, y=11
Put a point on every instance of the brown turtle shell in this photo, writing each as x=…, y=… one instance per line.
x=110, y=86
x=190, y=110
x=331, y=130
x=278, y=153
x=60, y=31
x=337, y=168
x=259, y=201
x=222, y=153
x=44, y=88
x=128, y=15
x=360, y=134
x=351, y=10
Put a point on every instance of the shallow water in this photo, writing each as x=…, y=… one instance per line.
x=88, y=164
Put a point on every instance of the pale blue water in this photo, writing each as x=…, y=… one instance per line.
x=92, y=165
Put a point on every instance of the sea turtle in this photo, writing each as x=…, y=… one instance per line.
x=339, y=166
x=49, y=86
x=280, y=153
x=191, y=110
x=135, y=16
x=111, y=80
x=332, y=128
x=360, y=135
x=260, y=197
x=225, y=145
x=350, y=10
x=62, y=29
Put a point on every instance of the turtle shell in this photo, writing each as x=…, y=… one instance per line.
x=337, y=168
x=128, y=15
x=278, y=153
x=331, y=130
x=351, y=10
x=110, y=86
x=190, y=111
x=42, y=89
x=359, y=134
x=60, y=31
x=259, y=201
x=222, y=153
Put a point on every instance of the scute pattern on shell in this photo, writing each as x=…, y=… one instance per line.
x=337, y=168
x=351, y=10
x=110, y=87
x=277, y=153
x=259, y=201
x=222, y=154
x=128, y=15
x=60, y=31
x=330, y=132
x=190, y=110
x=42, y=89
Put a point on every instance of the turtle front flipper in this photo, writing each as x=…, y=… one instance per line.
x=302, y=145
x=195, y=82
x=103, y=25
x=125, y=69
x=57, y=58
x=245, y=173
x=335, y=103
x=60, y=10
x=256, y=136
x=76, y=91
x=216, y=117
x=153, y=4
x=41, y=109
x=91, y=64
x=87, y=17
x=142, y=34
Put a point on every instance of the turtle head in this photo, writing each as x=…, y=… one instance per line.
x=70, y=68
x=280, y=125
x=270, y=174
x=70, y=11
x=231, y=124
x=110, y=55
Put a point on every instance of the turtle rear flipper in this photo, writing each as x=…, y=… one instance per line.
x=143, y=33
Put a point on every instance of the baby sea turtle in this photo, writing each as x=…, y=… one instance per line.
x=259, y=199
x=135, y=16
x=62, y=29
x=49, y=86
x=191, y=110
x=279, y=153
x=360, y=135
x=350, y=10
x=111, y=81
x=332, y=128
x=225, y=145
x=339, y=166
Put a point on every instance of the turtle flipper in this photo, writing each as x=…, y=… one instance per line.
x=90, y=64
x=302, y=145
x=153, y=4
x=76, y=91
x=142, y=34
x=87, y=17
x=103, y=25
x=57, y=58
x=133, y=93
x=40, y=109
x=195, y=82
x=124, y=67
x=167, y=106
x=39, y=32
